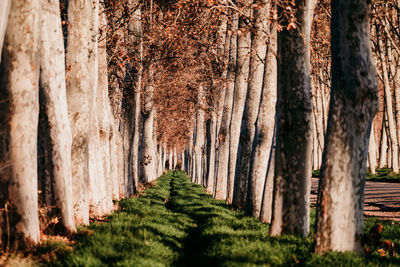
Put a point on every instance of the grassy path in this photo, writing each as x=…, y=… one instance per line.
x=175, y=223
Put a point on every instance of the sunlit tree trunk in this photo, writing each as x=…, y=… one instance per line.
x=389, y=111
x=104, y=116
x=148, y=153
x=52, y=79
x=372, y=151
x=244, y=183
x=137, y=31
x=383, y=145
x=175, y=158
x=199, y=140
x=4, y=12
x=114, y=160
x=354, y=102
x=223, y=139
x=239, y=98
x=291, y=208
x=81, y=88
x=19, y=81
x=182, y=161
x=261, y=172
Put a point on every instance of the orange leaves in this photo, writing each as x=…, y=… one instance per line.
x=385, y=248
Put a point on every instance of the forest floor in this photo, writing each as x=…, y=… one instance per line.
x=175, y=223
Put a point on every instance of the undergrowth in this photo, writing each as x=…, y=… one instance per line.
x=175, y=223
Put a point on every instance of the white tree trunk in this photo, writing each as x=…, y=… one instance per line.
x=247, y=189
x=114, y=159
x=175, y=158
x=199, y=140
x=4, y=12
x=262, y=167
x=81, y=91
x=390, y=115
x=223, y=141
x=383, y=145
x=241, y=82
x=20, y=79
x=148, y=153
x=52, y=78
x=354, y=102
x=104, y=117
x=372, y=151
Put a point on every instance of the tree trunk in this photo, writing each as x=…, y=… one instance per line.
x=137, y=31
x=267, y=198
x=104, y=116
x=211, y=128
x=20, y=80
x=372, y=151
x=52, y=79
x=114, y=160
x=383, y=147
x=389, y=111
x=239, y=98
x=243, y=183
x=354, y=102
x=148, y=153
x=4, y=12
x=223, y=141
x=291, y=208
x=261, y=171
x=199, y=140
x=81, y=88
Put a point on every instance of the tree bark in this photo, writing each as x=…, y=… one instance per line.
x=104, y=117
x=389, y=111
x=211, y=128
x=354, y=102
x=148, y=153
x=260, y=178
x=137, y=31
x=372, y=151
x=199, y=140
x=52, y=79
x=383, y=146
x=223, y=141
x=291, y=208
x=244, y=183
x=4, y=12
x=81, y=88
x=20, y=81
x=239, y=98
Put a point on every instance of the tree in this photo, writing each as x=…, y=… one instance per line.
x=261, y=173
x=251, y=109
x=354, y=99
x=20, y=81
x=4, y=11
x=52, y=80
x=81, y=85
x=239, y=98
x=223, y=189
x=291, y=207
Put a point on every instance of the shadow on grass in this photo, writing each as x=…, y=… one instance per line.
x=176, y=224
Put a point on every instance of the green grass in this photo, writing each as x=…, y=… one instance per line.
x=175, y=223
x=382, y=175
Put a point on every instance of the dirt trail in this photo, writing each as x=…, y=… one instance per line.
x=382, y=200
